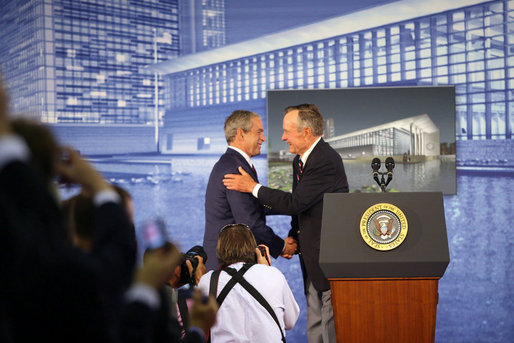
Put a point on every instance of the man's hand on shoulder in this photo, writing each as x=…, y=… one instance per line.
x=241, y=183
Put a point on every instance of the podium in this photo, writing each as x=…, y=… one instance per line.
x=384, y=295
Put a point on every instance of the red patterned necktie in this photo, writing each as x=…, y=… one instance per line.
x=300, y=169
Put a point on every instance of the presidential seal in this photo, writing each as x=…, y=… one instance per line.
x=383, y=226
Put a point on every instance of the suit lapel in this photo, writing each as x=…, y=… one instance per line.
x=243, y=163
x=313, y=157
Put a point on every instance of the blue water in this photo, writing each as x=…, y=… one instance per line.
x=475, y=294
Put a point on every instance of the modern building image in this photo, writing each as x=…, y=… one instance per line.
x=414, y=136
x=146, y=107
x=89, y=57
x=463, y=43
x=329, y=129
x=78, y=64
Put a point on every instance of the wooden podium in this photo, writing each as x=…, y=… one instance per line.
x=384, y=296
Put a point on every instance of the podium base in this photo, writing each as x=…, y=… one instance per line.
x=385, y=309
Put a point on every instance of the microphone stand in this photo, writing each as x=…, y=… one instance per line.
x=375, y=165
x=383, y=183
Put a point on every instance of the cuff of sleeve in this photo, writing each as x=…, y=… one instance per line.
x=255, y=190
x=145, y=294
x=12, y=148
x=105, y=196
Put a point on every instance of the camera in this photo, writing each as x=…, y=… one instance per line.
x=154, y=234
x=185, y=277
x=264, y=253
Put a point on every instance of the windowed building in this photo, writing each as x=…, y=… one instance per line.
x=83, y=61
x=417, y=136
x=79, y=64
x=466, y=43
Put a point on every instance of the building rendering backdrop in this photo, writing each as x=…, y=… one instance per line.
x=462, y=43
x=158, y=77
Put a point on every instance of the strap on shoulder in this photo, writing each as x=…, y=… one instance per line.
x=232, y=282
x=213, y=285
x=237, y=276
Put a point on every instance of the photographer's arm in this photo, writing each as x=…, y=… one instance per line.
x=263, y=259
x=202, y=315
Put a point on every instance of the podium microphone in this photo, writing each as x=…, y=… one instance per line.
x=389, y=166
x=375, y=165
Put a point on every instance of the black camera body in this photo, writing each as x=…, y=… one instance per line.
x=197, y=250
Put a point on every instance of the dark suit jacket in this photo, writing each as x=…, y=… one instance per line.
x=53, y=290
x=323, y=173
x=223, y=206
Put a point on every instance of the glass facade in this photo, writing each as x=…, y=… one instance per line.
x=471, y=48
x=202, y=25
x=85, y=61
x=385, y=142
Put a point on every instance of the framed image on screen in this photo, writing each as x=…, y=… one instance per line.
x=413, y=125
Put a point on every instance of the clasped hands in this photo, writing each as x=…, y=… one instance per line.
x=290, y=247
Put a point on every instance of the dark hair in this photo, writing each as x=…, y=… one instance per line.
x=236, y=243
x=78, y=213
x=239, y=119
x=309, y=115
x=124, y=195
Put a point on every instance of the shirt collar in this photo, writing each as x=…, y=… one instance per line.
x=306, y=154
x=247, y=158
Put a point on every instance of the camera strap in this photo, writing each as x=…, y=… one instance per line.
x=237, y=277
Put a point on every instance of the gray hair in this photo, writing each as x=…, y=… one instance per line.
x=239, y=119
x=308, y=116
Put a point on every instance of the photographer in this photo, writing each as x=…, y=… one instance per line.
x=191, y=269
x=187, y=274
x=256, y=303
x=177, y=289
x=146, y=316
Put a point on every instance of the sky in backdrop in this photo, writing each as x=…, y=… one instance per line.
x=248, y=19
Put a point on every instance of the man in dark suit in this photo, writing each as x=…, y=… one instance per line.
x=317, y=169
x=244, y=135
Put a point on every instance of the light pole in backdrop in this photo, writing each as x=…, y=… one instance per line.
x=166, y=38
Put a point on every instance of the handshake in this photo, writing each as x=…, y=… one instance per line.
x=290, y=247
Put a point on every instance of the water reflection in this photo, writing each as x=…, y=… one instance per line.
x=425, y=176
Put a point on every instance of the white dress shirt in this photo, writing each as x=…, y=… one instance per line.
x=243, y=319
x=244, y=154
